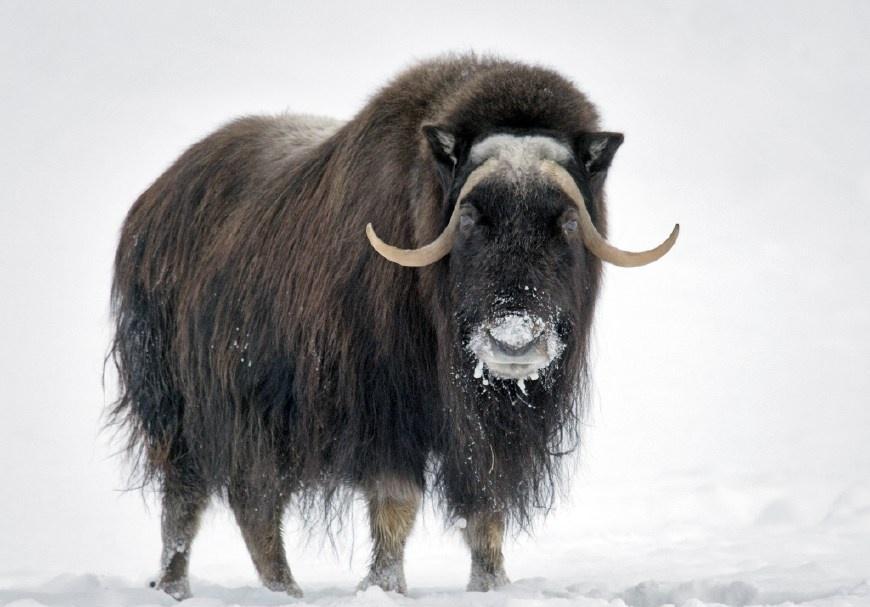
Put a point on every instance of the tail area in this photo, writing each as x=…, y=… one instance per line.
x=149, y=408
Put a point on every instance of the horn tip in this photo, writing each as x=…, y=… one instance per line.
x=370, y=233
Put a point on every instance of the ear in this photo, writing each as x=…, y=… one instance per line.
x=443, y=145
x=596, y=150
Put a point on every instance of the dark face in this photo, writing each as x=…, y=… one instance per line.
x=521, y=282
x=518, y=274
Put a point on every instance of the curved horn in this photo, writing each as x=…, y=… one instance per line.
x=438, y=248
x=594, y=241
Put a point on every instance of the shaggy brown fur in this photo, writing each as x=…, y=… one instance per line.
x=266, y=351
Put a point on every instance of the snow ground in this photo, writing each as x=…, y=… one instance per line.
x=532, y=592
x=746, y=541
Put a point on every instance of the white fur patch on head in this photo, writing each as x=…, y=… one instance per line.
x=520, y=155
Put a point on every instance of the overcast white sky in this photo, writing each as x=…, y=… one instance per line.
x=745, y=353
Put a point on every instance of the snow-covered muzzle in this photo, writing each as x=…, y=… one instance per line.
x=518, y=346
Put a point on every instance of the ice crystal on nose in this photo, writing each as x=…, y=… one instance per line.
x=516, y=330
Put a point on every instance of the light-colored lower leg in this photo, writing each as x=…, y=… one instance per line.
x=393, y=505
x=484, y=534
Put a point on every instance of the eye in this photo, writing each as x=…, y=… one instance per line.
x=467, y=220
x=569, y=224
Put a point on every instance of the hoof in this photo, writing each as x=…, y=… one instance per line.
x=289, y=586
x=179, y=589
x=294, y=590
x=483, y=582
x=388, y=580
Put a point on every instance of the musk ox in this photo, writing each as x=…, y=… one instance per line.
x=272, y=349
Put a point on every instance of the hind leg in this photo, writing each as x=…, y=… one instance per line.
x=258, y=513
x=393, y=503
x=182, y=507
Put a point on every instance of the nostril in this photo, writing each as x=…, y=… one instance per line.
x=513, y=348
